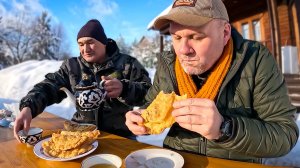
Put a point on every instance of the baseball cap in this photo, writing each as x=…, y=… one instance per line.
x=193, y=13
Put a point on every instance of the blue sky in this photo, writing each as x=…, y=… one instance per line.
x=128, y=18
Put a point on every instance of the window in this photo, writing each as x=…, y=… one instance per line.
x=251, y=30
x=245, y=31
x=256, y=30
x=251, y=27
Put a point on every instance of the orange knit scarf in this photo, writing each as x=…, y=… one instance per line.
x=212, y=85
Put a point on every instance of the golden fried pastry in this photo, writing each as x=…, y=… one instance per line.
x=65, y=142
x=69, y=144
x=158, y=114
x=47, y=147
x=90, y=134
x=72, y=126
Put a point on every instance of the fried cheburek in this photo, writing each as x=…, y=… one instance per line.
x=69, y=144
x=71, y=141
x=158, y=115
x=72, y=126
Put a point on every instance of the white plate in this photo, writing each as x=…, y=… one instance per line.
x=38, y=151
x=154, y=158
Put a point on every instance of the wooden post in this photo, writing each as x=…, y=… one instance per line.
x=291, y=22
x=297, y=12
x=161, y=43
x=275, y=31
x=296, y=18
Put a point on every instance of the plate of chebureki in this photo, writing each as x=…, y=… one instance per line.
x=67, y=145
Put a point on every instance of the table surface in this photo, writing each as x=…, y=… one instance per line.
x=14, y=154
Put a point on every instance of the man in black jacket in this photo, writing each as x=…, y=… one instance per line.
x=125, y=84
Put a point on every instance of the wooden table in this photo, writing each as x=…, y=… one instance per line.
x=14, y=154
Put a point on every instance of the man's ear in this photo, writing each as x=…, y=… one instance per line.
x=227, y=32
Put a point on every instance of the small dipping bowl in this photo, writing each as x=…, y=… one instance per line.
x=34, y=135
x=108, y=160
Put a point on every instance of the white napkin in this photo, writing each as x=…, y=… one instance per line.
x=156, y=140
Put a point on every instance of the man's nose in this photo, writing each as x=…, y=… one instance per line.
x=86, y=48
x=185, y=48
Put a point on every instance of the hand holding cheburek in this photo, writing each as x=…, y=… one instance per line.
x=195, y=114
x=157, y=117
x=134, y=122
x=198, y=115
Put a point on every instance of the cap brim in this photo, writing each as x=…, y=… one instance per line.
x=180, y=18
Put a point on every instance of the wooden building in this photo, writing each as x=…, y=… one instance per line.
x=275, y=23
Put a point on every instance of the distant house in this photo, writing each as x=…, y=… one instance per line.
x=145, y=50
x=275, y=23
x=144, y=41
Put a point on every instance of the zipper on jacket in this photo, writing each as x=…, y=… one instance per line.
x=202, y=145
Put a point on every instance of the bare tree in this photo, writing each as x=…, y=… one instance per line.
x=2, y=58
x=16, y=37
x=123, y=47
x=44, y=41
x=23, y=37
x=62, y=49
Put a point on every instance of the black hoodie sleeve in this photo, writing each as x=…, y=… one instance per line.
x=47, y=91
x=136, y=84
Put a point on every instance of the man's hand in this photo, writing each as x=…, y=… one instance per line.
x=133, y=119
x=113, y=86
x=22, y=122
x=198, y=115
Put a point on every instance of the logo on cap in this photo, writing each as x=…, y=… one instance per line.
x=190, y=3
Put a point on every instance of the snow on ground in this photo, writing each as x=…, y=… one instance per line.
x=17, y=80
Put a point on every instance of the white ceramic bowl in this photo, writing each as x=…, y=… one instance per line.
x=102, y=159
x=33, y=136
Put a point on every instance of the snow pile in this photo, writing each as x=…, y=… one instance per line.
x=17, y=80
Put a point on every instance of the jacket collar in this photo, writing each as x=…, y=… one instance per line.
x=237, y=38
x=238, y=51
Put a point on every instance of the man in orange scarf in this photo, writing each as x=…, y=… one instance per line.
x=237, y=107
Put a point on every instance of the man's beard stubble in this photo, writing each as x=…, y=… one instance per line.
x=193, y=70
